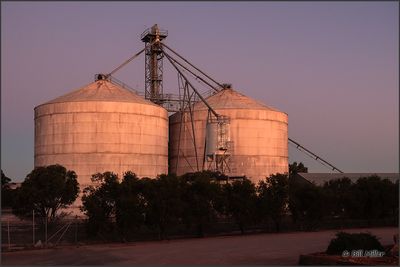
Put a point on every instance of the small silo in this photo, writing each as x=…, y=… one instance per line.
x=257, y=136
x=102, y=127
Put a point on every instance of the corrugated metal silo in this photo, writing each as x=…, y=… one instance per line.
x=102, y=127
x=258, y=135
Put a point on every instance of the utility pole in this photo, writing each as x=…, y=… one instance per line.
x=33, y=227
x=45, y=231
x=76, y=229
x=8, y=230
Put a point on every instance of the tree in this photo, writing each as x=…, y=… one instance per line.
x=99, y=202
x=46, y=190
x=306, y=203
x=295, y=168
x=390, y=198
x=4, y=180
x=272, y=198
x=6, y=192
x=199, y=195
x=240, y=202
x=163, y=203
x=394, y=200
x=130, y=205
x=373, y=198
x=338, y=195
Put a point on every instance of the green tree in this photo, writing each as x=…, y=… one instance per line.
x=393, y=199
x=373, y=198
x=6, y=192
x=46, y=190
x=306, y=204
x=390, y=198
x=4, y=180
x=240, y=202
x=295, y=168
x=272, y=198
x=338, y=194
x=200, y=191
x=130, y=205
x=99, y=202
x=162, y=201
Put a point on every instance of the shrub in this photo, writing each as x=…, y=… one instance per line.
x=356, y=241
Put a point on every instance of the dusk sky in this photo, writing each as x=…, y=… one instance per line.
x=333, y=67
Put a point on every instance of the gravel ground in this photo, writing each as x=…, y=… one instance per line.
x=257, y=249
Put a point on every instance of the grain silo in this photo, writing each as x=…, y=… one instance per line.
x=102, y=127
x=257, y=136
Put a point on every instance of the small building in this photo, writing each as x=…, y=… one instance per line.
x=320, y=178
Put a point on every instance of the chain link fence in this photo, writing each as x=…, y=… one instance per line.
x=19, y=234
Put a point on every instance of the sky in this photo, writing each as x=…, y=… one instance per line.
x=333, y=67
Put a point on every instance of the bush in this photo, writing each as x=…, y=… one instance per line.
x=346, y=241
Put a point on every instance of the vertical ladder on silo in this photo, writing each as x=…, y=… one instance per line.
x=231, y=160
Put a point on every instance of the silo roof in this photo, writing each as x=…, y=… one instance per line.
x=101, y=90
x=231, y=99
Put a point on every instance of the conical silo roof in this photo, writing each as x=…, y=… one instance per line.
x=101, y=90
x=231, y=99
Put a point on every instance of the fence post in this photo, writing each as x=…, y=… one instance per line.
x=33, y=227
x=8, y=228
x=45, y=231
x=76, y=229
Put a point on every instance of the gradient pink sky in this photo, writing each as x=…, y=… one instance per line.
x=332, y=66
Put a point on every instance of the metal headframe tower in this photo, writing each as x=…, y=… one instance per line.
x=154, y=63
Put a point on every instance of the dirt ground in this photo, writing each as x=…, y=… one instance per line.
x=260, y=249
